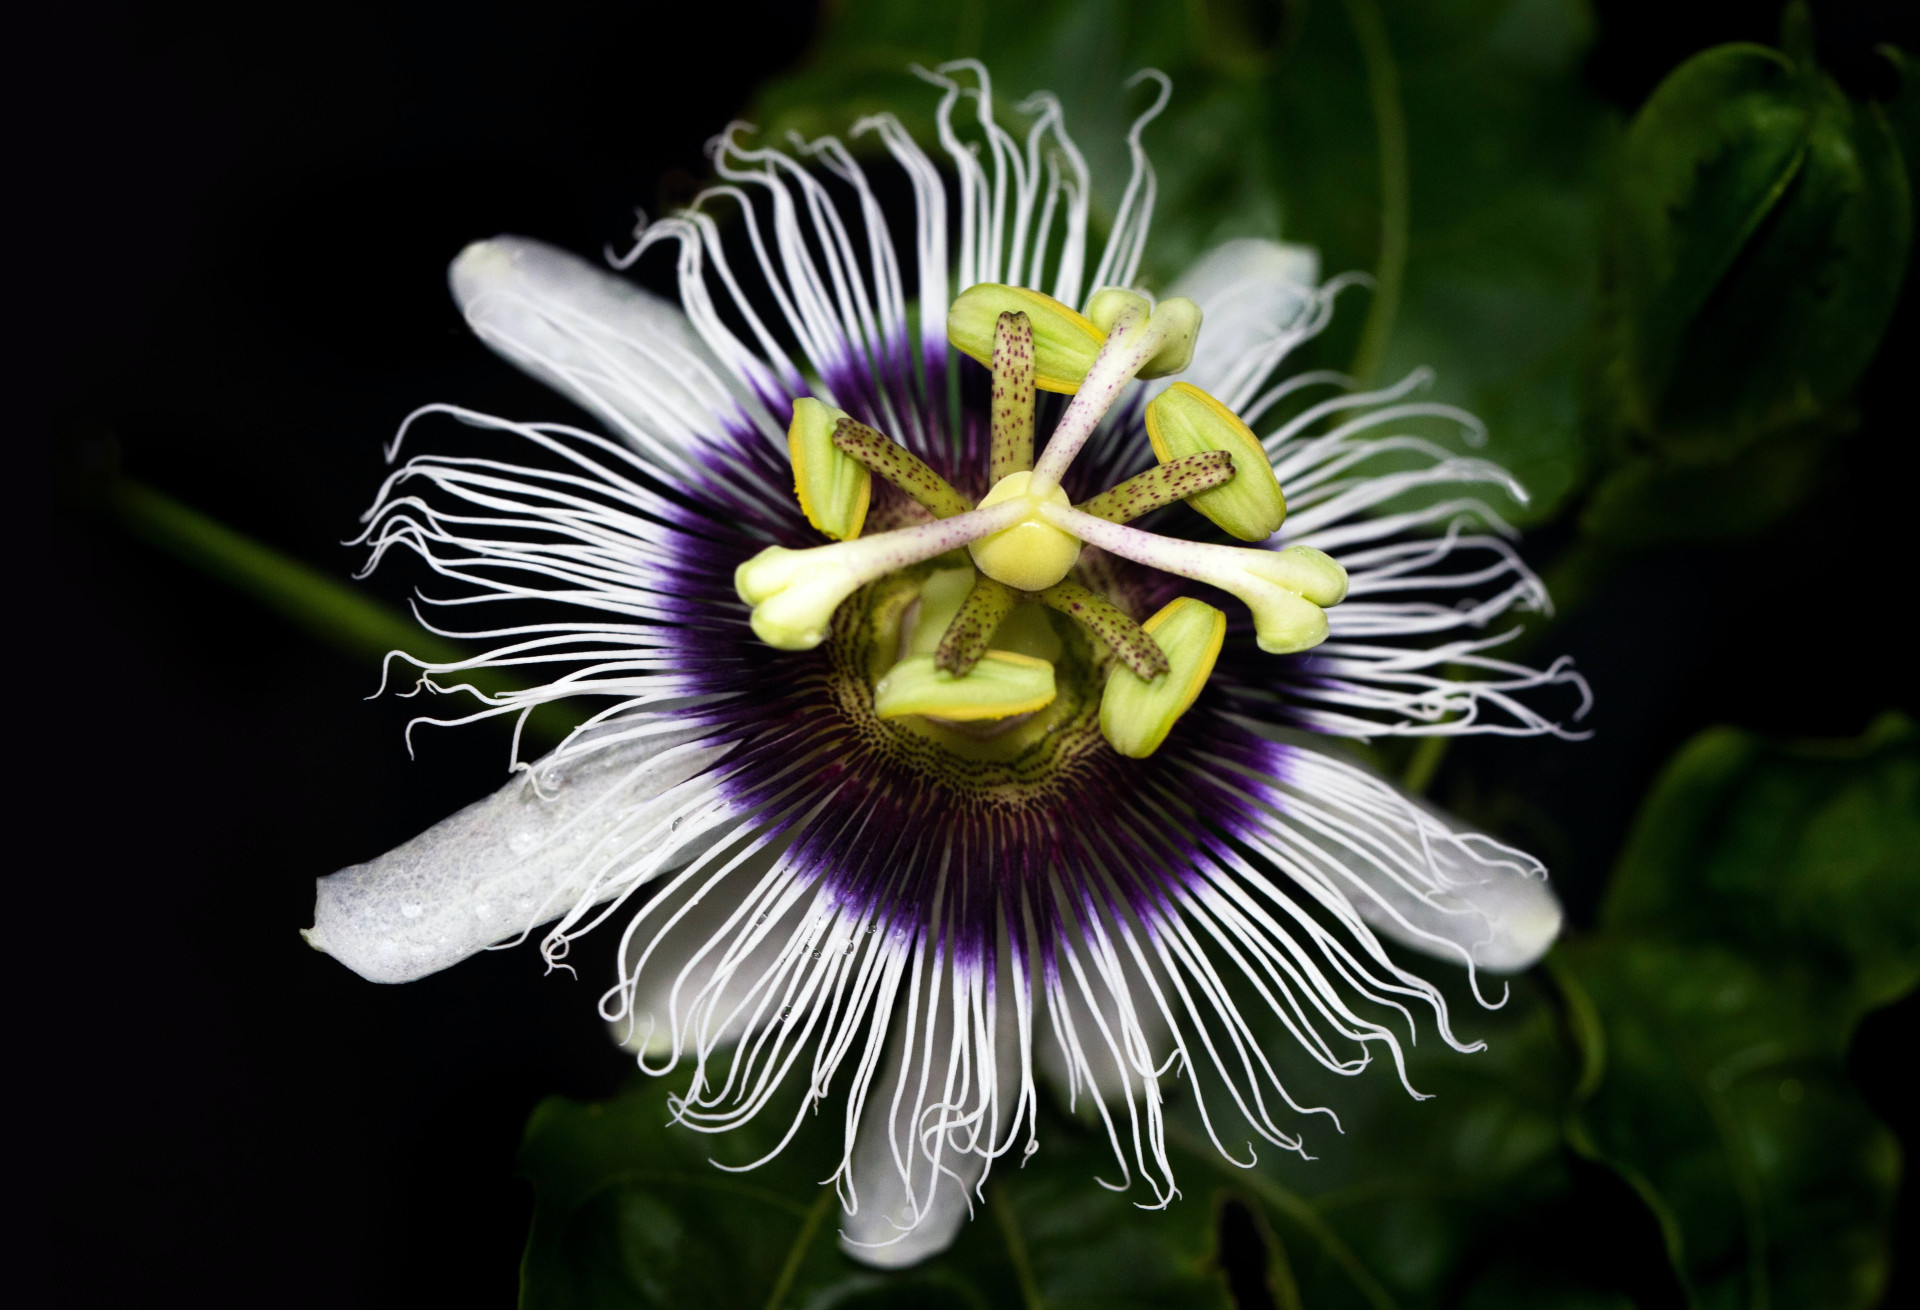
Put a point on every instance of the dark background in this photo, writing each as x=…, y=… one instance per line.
x=249, y=215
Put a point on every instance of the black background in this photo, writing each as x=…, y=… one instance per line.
x=247, y=219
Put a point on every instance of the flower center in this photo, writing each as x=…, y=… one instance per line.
x=954, y=665
x=1031, y=555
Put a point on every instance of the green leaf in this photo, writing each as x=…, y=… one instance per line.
x=1419, y=1203
x=1706, y=161
x=1757, y=242
x=629, y=1211
x=1769, y=895
x=1808, y=853
x=1447, y=148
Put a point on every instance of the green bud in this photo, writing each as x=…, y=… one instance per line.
x=1184, y=420
x=834, y=488
x=1064, y=343
x=1001, y=684
x=1136, y=715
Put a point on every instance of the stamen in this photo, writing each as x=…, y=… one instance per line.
x=1183, y=420
x=1137, y=713
x=900, y=466
x=833, y=489
x=1110, y=623
x=1065, y=343
x=1001, y=685
x=1012, y=395
x=795, y=592
x=973, y=626
x=941, y=596
x=1160, y=486
x=1285, y=589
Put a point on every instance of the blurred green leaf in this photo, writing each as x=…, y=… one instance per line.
x=1457, y=133
x=353, y=622
x=1706, y=160
x=1769, y=896
x=1438, y=1202
x=630, y=1212
x=1757, y=244
x=1808, y=853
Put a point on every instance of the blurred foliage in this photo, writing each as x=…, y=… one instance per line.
x=1768, y=898
x=1757, y=241
x=1693, y=1044
x=1448, y=149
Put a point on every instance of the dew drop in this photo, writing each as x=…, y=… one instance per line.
x=412, y=910
x=523, y=841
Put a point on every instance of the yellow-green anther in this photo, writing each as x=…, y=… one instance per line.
x=1136, y=713
x=1175, y=324
x=941, y=596
x=898, y=465
x=1031, y=555
x=1107, y=621
x=970, y=632
x=1064, y=342
x=833, y=488
x=1001, y=684
x=1012, y=449
x=1160, y=486
x=1105, y=306
x=1184, y=420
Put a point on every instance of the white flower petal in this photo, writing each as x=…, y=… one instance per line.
x=915, y=1185
x=1420, y=877
x=677, y=989
x=629, y=356
x=528, y=853
x=1256, y=298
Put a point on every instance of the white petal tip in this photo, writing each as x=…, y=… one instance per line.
x=934, y=1235
x=1526, y=931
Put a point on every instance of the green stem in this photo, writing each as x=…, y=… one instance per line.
x=802, y=1242
x=1424, y=763
x=1002, y=1208
x=351, y=622
x=1301, y=1212
x=1390, y=126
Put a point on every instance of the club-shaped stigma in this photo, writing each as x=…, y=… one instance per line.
x=795, y=592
